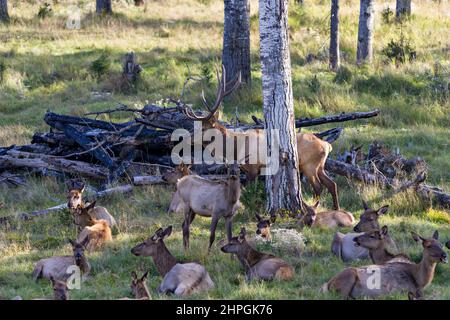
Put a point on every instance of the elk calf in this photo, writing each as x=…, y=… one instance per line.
x=95, y=236
x=60, y=289
x=57, y=267
x=258, y=265
x=182, y=279
x=377, y=242
x=410, y=278
x=84, y=213
x=343, y=245
x=139, y=287
x=325, y=219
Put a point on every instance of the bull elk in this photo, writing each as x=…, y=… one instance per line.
x=325, y=219
x=343, y=245
x=377, y=242
x=312, y=151
x=85, y=213
x=258, y=265
x=182, y=279
x=410, y=278
x=57, y=267
x=209, y=198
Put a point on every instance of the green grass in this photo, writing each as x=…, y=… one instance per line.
x=49, y=67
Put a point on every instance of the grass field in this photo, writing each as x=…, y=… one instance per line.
x=47, y=67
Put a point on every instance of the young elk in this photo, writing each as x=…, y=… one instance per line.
x=263, y=226
x=325, y=219
x=377, y=242
x=57, y=267
x=410, y=278
x=84, y=213
x=96, y=235
x=60, y=289
x=139, y=287
x=343, y=245
x=209, y=198
x=258, y=265
x=182, y=279
x=312, y=151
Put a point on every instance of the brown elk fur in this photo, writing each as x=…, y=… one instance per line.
x=139, y=287
x=97, y=235
x=325, y=219
x=258, y=265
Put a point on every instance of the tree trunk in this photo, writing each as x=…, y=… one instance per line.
x=282, y=187
x=104, y=7
x=403, y=7
x=4, y=16
x=335, y=60
x=365, y=32
x=138, y=3
x=236, y=39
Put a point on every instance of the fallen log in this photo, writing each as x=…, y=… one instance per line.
x=151, y=180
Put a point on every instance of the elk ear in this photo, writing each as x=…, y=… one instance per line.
x=167, y=232
x=90, y=205
x=258, y=217
x=316, y=205
x=447, y=244
x=365, y=206
x=144, y=276
x=436, y=235
x=72, y=242
x=273, y=218
x=85, y=242
x=382, y=210
x=384, y=230
x=416, y=237
x=133, y=275
x=81, y=188
x=158, y=234
x=242, y=235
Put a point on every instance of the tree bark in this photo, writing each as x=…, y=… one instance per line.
x=4, y=16
x=103, y=7
x=335, y=60
x=365, y=32
x=403, y=7
x=282, y=187
x=236, y=39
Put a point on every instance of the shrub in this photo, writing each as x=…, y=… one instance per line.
x=344, y=74
x=400, y=51
x=45, y=11
x=386, y=15
x=2, y=71
x=314, y=84
x=101, y=65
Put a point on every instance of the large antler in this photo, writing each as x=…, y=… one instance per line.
x=223, y=89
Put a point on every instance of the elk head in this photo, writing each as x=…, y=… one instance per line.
x=60, y=289
x=138, y=286
x=432, y=248
x=179, y=172
x=309, y=215
x=82, y=216
x=223, y=89
x=151, y=246
x=371, y=239
x=237, y=245
x=75, y=196
x=78, y=250
x=263, y=226
x=369, y=218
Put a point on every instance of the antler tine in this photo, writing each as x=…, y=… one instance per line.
x=236, y=83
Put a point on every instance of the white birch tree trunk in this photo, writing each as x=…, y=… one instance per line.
x=365, y=32
x=283, y=188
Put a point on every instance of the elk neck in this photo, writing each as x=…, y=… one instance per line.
x=380, y=254
x=163, y=259
x=249, y=256
x=83, y=264
x=233, y=190
x=424, y=271
x=142, y=292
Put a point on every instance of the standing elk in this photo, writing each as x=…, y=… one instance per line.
x=56, y=267
x=209, y=198
x=182, y=279
x=343, y=245
x=377, y=242
x=410, y=278
x=325, y=219
x=312, y=151
x=96, y=235
x=84, y=213
x=258, y=265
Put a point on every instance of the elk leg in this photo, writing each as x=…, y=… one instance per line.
x=331, y=186
x=188, y=217
x=315, y=184
x=229, y=227
x=212, y=236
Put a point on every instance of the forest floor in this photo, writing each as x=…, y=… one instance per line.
x=47, y=67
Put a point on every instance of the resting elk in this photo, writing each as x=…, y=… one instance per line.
x=311, y=150
x=410, y=278
x=182, y=279
x=84, y=213
x=325, y=219
x=57, y=267
x=139, y=287
x=96, y=235
x=258, y=265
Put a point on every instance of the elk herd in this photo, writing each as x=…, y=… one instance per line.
x=220, y=199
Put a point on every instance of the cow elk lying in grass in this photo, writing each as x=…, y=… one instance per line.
x=410, y=278
x=325, y=219
x=377, y=242
x=343, y=245
x=60, y=289
x=209, y=198
x=258, y=265
x=96, y=235
x=85, y=213
x=312, y=151
x=182, y=279
x=57, y=267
